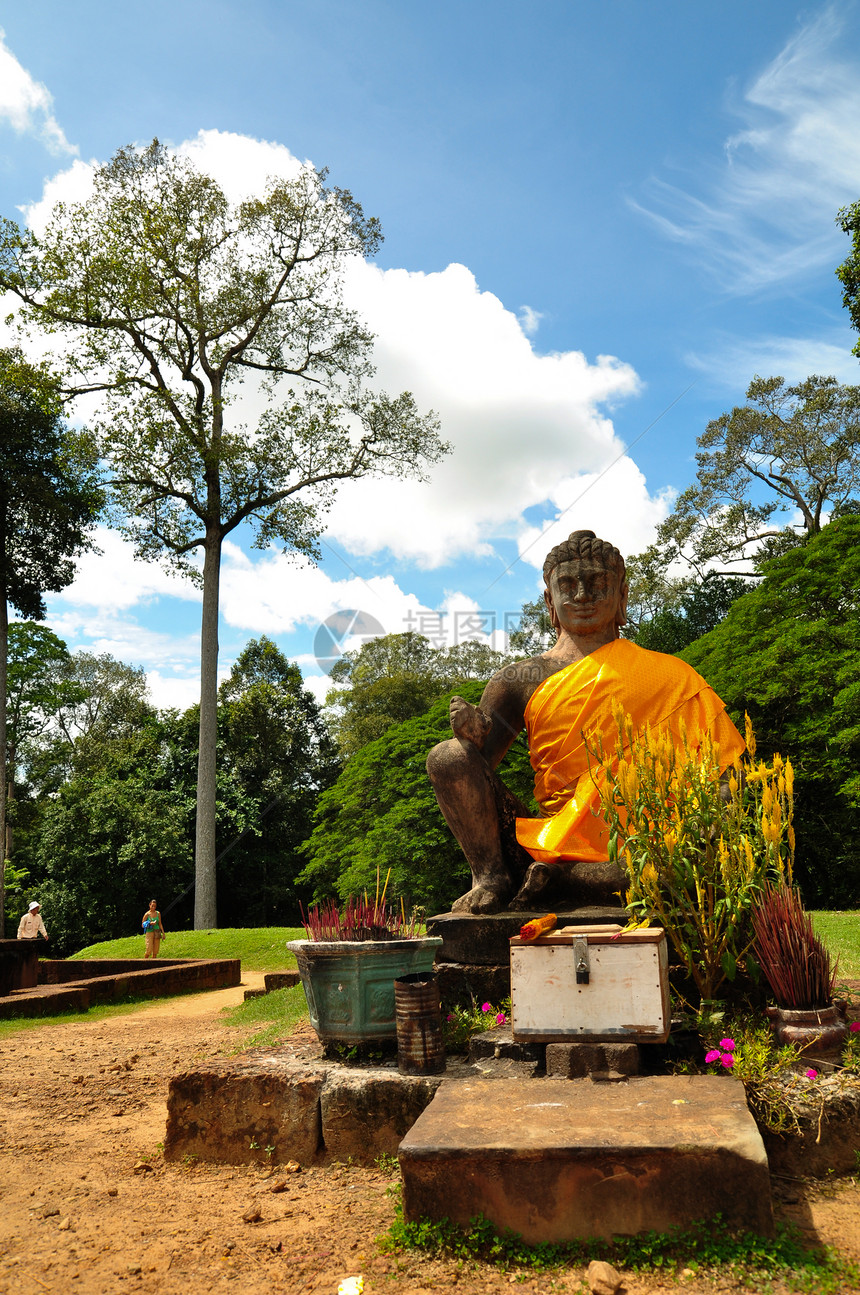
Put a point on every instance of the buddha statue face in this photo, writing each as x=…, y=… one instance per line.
x=586, y=597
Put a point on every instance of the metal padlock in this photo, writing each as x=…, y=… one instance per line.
x=581, y=962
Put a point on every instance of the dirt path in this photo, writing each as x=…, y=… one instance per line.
x=87, y=1203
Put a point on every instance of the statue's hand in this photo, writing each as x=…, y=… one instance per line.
x=468, y=722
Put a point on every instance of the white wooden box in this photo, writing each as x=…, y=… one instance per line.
x=622, y=994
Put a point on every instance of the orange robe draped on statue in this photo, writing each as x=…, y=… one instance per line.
x=653, y=689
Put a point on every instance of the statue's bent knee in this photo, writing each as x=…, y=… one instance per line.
x=451, y=760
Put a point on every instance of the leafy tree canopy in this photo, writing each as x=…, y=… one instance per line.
x=50, y=496
x=117, y=833
x=50, y=492
x=36, y=683
x=788, y=653
x=397, y=676
x=696, y=610
x=848, y=272
x=382, y=813
x=118, y=828
x=534, y=633
x=790, y=450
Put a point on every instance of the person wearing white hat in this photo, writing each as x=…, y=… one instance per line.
x=31, y=925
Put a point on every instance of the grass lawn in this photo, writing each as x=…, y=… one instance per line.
x=260, y=948
x=841, y=933
x=275, y=1015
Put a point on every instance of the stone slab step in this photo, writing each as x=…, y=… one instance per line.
x=558, y=1159
x=45, y=1000
x=281, y=980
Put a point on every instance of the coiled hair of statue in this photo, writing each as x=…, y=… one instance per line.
x=584, y=544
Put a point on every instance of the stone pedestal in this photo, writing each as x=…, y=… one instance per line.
x=484, y=940
x=474, y=962
x=19, y=964
x=558, y=1160
x=600, y=1060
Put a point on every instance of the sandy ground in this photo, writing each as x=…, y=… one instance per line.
x=87, y=1203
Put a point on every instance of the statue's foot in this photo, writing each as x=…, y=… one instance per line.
x=480, y=899
x=534, y=884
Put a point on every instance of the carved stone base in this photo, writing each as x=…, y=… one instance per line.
x=461, y=984
x=476, y=940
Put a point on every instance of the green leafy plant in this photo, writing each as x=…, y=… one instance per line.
x=851, y=1050
x=710, y=1247
x=750, y=1055
x=461, y=1023
x=698, y=845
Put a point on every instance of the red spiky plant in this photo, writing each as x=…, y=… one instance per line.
x=359, y=919
x=796, y=963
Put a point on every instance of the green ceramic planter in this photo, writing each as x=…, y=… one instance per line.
x=350, y=985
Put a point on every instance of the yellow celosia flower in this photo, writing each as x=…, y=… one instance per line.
x=749, y=735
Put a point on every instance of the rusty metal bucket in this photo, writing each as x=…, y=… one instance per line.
x=420, y=1050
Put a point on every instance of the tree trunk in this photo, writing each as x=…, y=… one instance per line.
x=205, y=893
x=10, y=796
x=4, y=653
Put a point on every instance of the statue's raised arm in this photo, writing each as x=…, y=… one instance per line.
x=558, y=696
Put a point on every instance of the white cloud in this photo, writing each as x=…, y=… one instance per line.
x=240, y=164
x=733, y=363
x=27, y=105
x=277, y=593
x=319, y=685
x=520, y=423
x=176, y=692
x=114, y=580
x=530, y=320
x=75, y=184
x=766, y=213
x=171, y=661
x=616, y=506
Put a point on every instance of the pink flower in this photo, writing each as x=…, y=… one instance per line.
x=713, y=1055
x=727, y=1060
x=486, y=1007
x=854, y=1027
x=728, y=1044
x=811, y=1074
x=450, y=1016
x=500, y=1018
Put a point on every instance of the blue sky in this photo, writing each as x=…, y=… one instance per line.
x=601, y=220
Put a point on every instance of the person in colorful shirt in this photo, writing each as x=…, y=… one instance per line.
x=153, y=930
x=564, y=698
x=31, y=925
